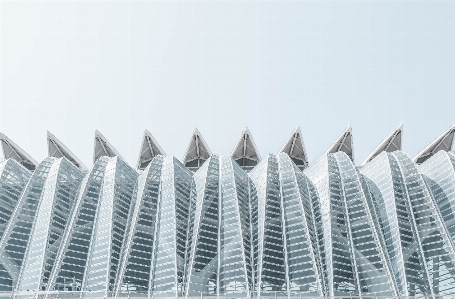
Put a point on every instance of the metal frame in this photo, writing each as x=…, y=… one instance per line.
x=340, y=145
x=295, y=147
x=12, y=150
x=439, y=143
x=57, y=149
x=386, y=145
x=150, y=148
x=105, y=148
x=197, y=150
x=245, y=148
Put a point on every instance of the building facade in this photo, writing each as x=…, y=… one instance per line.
x=230, y=225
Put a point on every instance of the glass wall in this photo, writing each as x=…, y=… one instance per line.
x=351, y=254
x=383, y=229
x=219, y=254
x=57, y=201
x=418, y=245
x=15, y=239
x=108, y=233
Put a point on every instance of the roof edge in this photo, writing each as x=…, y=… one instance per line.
x=435, y=142
x=374, y=153
x=60, y=144
x=18, y=149
x=246, y=131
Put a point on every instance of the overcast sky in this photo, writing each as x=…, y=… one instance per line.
x=169, y=66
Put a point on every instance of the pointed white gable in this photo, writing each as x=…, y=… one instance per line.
x=197, y=151
x=149, y=149
x=390, y=144
x=245, y=151
x=295, y=148
x=443, y=142
x=343, y=143
x=103, y=147
x=58, y=150
x=13, y=151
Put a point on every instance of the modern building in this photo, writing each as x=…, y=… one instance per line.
x=219, y=257
x=352, y=258
x=230, y=225
x=286, y=255
x=154, y=251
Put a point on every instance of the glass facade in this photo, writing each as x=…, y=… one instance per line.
x=71, y=259
x=154, y=251
x=110, y=224
x=284, y=264
x=216, y=226
x=59, y=195
x=219, y=247
x=418, y=244
x=439, y=175
x=137, y=256
x=15, y=239
x=13, y=179
x=351, y=253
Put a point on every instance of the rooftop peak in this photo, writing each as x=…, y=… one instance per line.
x=343, y=143
x=295, y=148
x=58, y=150
x=197, y=151
x=103, y=147
x=442, y=142
x=149, y=149
x=12, y=151
x=245, y=151
x=390, y=144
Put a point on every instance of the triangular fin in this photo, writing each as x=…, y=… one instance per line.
x=149, y=149
x=58, y=150
x=390, y=144
x=197, y=152
x=103, y=147
x=13, y=151
x=343, y=143
x=295, y=148
x=245, y=152
x=442, y=142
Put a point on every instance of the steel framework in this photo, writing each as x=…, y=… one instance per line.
x=229, y=226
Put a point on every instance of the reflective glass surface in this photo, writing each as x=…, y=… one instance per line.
x=219, y=254
x=383, y=229
x=418, y=243
x=439, y=175
x=351, y=254
x=72, y=256
x=16, y=236
x=168, y=252
x=285, y=253
x=108, y=233
x=60, y=191
x=13, y=179
x=137, y=256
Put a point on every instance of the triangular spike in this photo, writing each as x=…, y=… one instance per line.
x=343, y=143
x=295, y=148
x=442, y=142
x=103, y=147
x=149, y=149
x=390, y=144
x=58, y=150
x=12, y=150
x=245, y=151
x=197, y=151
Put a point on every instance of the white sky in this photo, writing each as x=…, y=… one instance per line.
x=169, y=66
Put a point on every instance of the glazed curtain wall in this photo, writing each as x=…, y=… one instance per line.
x=384, y=229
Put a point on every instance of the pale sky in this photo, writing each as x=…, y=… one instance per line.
x=71, y=67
